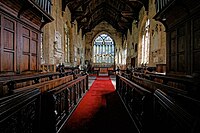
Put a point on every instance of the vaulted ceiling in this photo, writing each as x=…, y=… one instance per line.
x=119, y=13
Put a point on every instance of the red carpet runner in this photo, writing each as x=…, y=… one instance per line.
x=100, y=111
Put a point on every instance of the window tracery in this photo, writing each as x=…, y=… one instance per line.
x=103, y=49
x=145, y=43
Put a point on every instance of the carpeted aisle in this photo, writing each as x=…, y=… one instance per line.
x=100, y=110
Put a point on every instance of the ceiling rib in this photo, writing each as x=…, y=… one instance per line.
x=119, y=13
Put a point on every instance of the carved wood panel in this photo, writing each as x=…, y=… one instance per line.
x=33, y=51
x=181, y=63
x=18, y=46
x=8, y=47
x=29, y=53
x=181, y=45
x=172, y=63
x=177, y=61
x=26, y=49
x=0, y=41
x=196, y=45
x=173, y=44
x=172, y=51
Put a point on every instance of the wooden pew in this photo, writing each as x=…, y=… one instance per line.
x=43, y=106
x=184, y=85
x=21, y=112
x=138, y=102
x=9, y=83
x=48, y=85
x=156, y=107
x=170, y=116
x=152, y=86
x=59, y=103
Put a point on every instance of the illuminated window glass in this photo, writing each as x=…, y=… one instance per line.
x=124, y=55
x=145, y=43
x=42, y=49
x=103, y=49
x=67, y=46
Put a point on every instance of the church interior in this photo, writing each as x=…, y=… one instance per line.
x=53, y=53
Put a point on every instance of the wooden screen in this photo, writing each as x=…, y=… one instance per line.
x=8, y=46
x=29, y=53
x=18, y=46
x=196, y=45
x=177, y=50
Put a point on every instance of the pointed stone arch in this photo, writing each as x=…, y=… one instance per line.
x=67, y=43
x=143, y=59
x=103, y=47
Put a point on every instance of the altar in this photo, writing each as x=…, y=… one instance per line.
x=103, y=71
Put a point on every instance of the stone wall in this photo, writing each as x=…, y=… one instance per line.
x=106, y=28
x=54, y=38
x=157, y=38
x=81, y=46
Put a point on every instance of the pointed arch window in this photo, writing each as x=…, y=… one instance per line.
x=42, y=49
x=145, y=43
x=103, y=49
x=67, y=46
x=124, y=53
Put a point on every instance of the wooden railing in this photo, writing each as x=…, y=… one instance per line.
x=20, y=113
x=43, y=106
x=44, y=4
x=170, y=117
x=138, y=102
x=48, y=85
x=9, y=83
x=157, y=108
x=183, y=85
x=152, y=86
x=58, y=103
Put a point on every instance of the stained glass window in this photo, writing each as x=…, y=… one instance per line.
x=103, y=49
x=145, y=43
x=67, y=46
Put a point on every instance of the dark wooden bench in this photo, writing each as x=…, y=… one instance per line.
x=9, y=83
x=48, y=102
x=59, y=103
x=152, y=86
x=170, y=116
x=187, y=84
x=21, y=112
x=156, y=107
x=138, y=102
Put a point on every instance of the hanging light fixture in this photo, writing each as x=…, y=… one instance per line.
x=42, y=20
x=164, y=18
